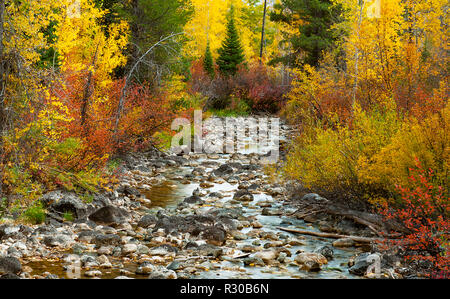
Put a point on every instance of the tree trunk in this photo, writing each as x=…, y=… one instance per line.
x=263, y=31
x=2, y=92
x=355, y=84
x=361, y=240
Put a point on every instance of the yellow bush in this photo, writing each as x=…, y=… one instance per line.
x=426, y=141
x=367, y=159
x=330, y=159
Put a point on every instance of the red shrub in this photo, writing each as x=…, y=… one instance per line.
x=256, y=85
x=424, y=211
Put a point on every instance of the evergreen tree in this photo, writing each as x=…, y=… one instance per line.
x=231, y=54
x=208, y=63
x=314, y=32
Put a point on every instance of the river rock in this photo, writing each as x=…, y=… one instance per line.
x=326, y=251
x=360, y=265
x=243, y=195
x=267, y=255
x=10, y=265
x=108, y=239
x=214, y=235
x=162, y=273
x=224, y=169
x=237, y=235
x=271, y=212
x=109, y=215
x=162, y=250
x=60, y=240
x=63, y=203
x=93, y=273
x=127, y=190
x=194, y=199
x=9, y=231
x=129, y=248
x=310, y=261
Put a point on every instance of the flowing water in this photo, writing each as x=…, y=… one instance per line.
x=174, y=188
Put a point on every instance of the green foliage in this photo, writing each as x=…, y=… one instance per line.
x=231, y=54
x=35, y=214
x=208, y=63
x=68, y=216
x=149, y=22
x=238, y=108
x=3, y=206
x=87, y=197
x=314, y=19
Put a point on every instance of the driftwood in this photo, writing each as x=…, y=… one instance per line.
x=375, y=223
x=357, y=239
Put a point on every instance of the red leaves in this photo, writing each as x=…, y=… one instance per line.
x=424, y=211
x=260, y=88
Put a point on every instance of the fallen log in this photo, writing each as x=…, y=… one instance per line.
x=374, y=222
x=357, y=239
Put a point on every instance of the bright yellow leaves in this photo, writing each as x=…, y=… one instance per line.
x=400, y=111
x=84, y=45
x=209, y=24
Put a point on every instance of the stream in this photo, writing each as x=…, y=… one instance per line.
x=253, y=247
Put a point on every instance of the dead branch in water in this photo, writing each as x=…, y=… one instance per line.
x=357, y=239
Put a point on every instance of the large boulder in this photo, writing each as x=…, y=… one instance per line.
x=60, y=203
x=109, y=215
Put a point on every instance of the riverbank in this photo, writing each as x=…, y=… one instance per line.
x=188, y=216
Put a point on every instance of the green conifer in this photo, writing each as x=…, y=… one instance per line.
x=231, y=54
x=208, y=63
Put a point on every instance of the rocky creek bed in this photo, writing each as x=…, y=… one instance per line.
x=185, y=216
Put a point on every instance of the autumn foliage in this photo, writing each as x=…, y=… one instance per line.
x=256, y=85
x=423, y=210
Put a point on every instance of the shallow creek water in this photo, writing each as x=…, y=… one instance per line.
x=173, y=189
x=171, y=192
